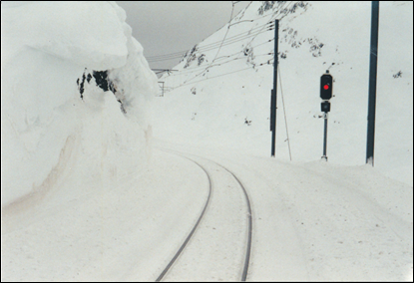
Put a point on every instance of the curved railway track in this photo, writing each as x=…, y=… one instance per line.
x=248, y=242
x=182, y=247
x=250, y=226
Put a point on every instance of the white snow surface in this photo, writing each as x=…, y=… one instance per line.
x=232, y=87
x=89, y=195
x=44, y=120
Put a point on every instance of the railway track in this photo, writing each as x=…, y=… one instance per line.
x=214, y=201
x=182, y=247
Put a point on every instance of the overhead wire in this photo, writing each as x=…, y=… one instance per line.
x=253, y=36
x=206, y=50
x=284, y=113
x=222, y=75
x=231, y=15
x=227, y=31
x=210, y=44
x=195, y=69
x=214, y=45
x=218, y=51
x=217, y=42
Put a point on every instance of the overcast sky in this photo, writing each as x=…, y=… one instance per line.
x=164, y=27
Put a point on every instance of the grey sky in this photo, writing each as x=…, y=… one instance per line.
x=164, y=27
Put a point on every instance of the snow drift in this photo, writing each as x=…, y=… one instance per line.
x=47, y=127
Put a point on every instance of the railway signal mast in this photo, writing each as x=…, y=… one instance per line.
x=326, y=95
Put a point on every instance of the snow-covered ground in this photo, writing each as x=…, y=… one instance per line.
x=107, y=187
x=223, y=85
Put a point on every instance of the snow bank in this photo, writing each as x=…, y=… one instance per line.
x=48, y=131
x=89, y=34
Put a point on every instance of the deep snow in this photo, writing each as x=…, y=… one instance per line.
x=88, y=194
x=228, y=93
x=44, y=119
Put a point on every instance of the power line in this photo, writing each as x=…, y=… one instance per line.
x=225, y=35
x=285, y=115
x=211, y=66
x=222, y=75
x=262, y=27
x=214, y=43
x=195, y=69
x=231, y=40
x=211, y=46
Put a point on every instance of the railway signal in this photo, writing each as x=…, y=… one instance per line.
x=326, y=94
x=326, y=106
x=326, y=86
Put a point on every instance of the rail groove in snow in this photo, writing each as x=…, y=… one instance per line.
x=169, y=265
x=249, y=218
x=250, y=227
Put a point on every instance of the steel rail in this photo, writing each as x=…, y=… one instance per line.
x=170, y=264
x=250, y=226
x=249, y=218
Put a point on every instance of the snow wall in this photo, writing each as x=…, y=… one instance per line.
x=57, y=124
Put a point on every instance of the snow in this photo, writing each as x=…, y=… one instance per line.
x=221, y=85
x=70, y=38
x=43, y=117
x=92, y=192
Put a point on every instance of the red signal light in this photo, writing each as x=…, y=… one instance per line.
x=326, y=86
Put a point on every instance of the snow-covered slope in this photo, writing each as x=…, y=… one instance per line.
x=49, y=127
x=223, y=84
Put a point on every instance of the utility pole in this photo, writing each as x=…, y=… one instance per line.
x=273, y=101
x=372, y=82
x=162, y=92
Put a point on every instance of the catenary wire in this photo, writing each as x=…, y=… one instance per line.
x=207, y=47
